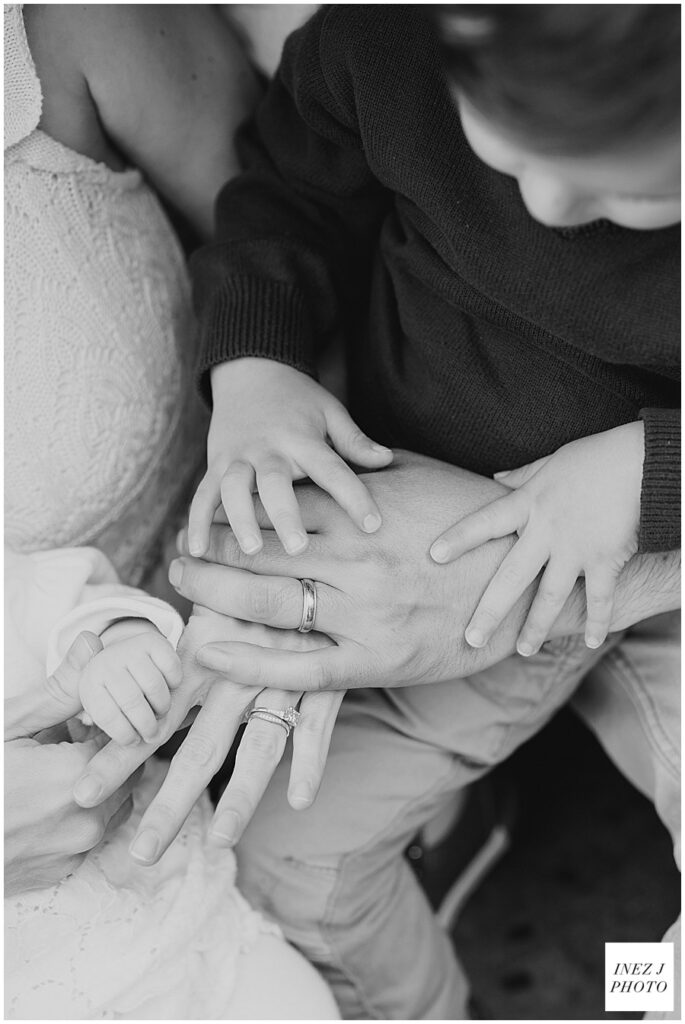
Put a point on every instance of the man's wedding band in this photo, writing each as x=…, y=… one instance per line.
x=308, y=606
x=288, y=719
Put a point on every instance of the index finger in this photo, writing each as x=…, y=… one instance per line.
x=195, y=763
x=112, y=765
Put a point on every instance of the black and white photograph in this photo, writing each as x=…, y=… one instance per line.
x=342, y=511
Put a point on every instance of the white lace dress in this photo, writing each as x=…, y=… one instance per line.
x=102, y=439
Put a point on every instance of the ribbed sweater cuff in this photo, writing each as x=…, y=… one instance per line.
x=253, y=316
x=660, y=499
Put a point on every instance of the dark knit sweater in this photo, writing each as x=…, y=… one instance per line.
x=474, y=334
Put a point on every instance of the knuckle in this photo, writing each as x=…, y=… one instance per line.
x=319, y=676
x=240, y=798
x=271, y=469
x=488, y=616
x=511, y=575
x=265, y=744
x=90, y=831
x=311, y=724
x=197, y=752
x=163, y=814
x=551, y=595
x=236, y=470
x=261, y=601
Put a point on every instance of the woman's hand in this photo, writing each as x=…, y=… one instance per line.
x=46, y=834
x=205, y=748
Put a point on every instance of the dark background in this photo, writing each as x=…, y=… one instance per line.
x=590, y=862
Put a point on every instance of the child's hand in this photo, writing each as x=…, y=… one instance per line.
x=271, y=425
x=125, y=688
x=576, y=512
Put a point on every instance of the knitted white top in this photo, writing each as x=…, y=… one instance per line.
x=103, y=432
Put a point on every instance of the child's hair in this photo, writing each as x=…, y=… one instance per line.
x=567, y=78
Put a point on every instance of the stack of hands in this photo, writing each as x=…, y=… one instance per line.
x=387, y=615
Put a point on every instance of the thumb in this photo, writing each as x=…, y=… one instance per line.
x=58, y=698
x=352, y=443
x=517, y=477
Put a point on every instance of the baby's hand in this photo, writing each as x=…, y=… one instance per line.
x=576, y=512
x=125, y=688
x=271, y=425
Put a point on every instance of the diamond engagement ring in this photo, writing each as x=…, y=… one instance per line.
x=288, y=718
x=308, y=606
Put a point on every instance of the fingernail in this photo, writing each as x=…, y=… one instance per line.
x=182, y=541
x=440, y=552
x=226, y=829
x=301, y=796
x=251, y=544
x=82, y=650
x=371, y=523
x=381, y=449
x=295, y=543
x=195, y=546
x=176, y=572
x=144, y=847
x=474, y=638
x=593, y=643
x=87, y=791
x=524, y=649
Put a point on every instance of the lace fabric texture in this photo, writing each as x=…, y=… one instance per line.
x=103, y=431
x=117, y=940
x=103, y=439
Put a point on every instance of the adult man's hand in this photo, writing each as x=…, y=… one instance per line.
x=46, y=833
x=396, y=617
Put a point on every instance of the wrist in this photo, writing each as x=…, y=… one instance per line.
x=125, y=629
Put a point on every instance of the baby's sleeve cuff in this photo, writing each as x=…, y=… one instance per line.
x=97, y=615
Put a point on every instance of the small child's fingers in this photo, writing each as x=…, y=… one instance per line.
x=166, y=660
x=336, y=478
x=352, y=443
x=274, y=482
x=498, y=519
x=108, y=716
x=202, y=509
x=127, y=693
x=555, y=586
x=600, y=584
x=517, y=571
x=518, y=477
x=238, y=502
x=153, y=684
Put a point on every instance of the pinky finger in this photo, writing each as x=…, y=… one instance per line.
x=555, y=586
x=202, y=509
x=600, y=584
x=311, y=741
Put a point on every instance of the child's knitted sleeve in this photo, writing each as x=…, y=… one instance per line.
x=292, y=259
x=660, y=498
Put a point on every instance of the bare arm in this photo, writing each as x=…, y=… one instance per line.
x=164, y=85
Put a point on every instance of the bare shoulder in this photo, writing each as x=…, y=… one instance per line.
x=161, y=87
x=54, y=34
